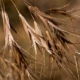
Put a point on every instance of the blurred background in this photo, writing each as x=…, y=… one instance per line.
x=43, y=5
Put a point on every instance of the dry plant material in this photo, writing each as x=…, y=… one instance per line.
x=52, y=41
x=12, y=54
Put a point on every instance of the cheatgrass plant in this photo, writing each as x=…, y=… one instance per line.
x=52, y=43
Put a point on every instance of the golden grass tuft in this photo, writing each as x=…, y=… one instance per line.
x=53, y=42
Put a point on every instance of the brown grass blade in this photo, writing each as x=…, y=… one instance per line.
x=38, y=31
x=8, y=36
x=35, y=49
x=63, y=30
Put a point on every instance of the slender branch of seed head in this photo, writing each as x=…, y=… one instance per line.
x=2, y=5
x=15, y=6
